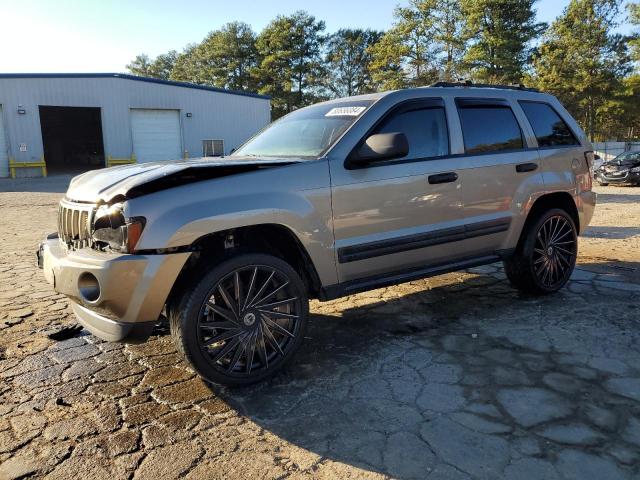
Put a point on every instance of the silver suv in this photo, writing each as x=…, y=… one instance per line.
x=333, y=199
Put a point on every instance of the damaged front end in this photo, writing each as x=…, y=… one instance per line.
x=112, y=230
x=103, y=227
x=94, y=213
x=624, y=169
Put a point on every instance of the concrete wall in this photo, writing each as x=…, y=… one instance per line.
x=215, y=115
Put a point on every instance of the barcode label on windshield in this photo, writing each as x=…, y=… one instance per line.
x=345, y=111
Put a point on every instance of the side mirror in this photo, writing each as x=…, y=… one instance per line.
x=379, y=147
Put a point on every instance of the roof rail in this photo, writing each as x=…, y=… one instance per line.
x=469, y=83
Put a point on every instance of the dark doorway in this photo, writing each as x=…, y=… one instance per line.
x=72, y=138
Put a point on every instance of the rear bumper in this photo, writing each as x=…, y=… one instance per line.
x=586, y=206
x=118, y=297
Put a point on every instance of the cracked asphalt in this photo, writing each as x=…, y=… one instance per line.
x=454, y=377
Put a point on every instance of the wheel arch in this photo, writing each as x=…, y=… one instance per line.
x=562, y=200
x=268, y=238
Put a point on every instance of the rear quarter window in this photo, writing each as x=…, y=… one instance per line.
x=549, y=128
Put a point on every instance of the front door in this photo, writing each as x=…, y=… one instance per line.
x=394, y=215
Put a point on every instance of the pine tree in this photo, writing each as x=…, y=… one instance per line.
x=348, y=58
x=291, y=69
x=500, y=33
x=582, y=61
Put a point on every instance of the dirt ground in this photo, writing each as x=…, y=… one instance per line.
x=454, y=377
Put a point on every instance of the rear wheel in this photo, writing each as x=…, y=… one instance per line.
x=546, y=254
x=243, y=320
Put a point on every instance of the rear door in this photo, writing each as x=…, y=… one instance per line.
x=394, y=215
x=156, y=134
x=506, y=170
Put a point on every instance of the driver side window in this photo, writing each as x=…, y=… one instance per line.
x=425, y=129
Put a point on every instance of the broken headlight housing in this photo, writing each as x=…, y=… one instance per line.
x=111, y=229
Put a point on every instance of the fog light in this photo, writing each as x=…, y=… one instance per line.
x=89, y=287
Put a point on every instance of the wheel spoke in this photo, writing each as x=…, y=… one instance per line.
x=267, y=297
x=270, y=338
x=561, y=232
x=278, y=303
x=278, y=327
x=553, y=230
x=228, y=314
x=223, y=336
x=227, y=300
x=560, y=237
x=237, y=285
x=277, y=313
x=540, y=259
x=564, y=250
x=562, y=260
x=219, y=325
x=251, y=349
x=250, y=290
x=262, y=288
x=224, y=351
x=261, y=347
x=237, y=354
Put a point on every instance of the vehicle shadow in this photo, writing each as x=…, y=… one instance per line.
x=440, y=376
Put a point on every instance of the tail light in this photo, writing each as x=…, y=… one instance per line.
x=590, y=159
x=584, y=179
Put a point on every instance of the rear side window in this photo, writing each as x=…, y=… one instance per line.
x=549, y=128
x=425, y=128
x=488, y=126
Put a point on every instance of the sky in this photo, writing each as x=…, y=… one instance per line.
x=104, y=35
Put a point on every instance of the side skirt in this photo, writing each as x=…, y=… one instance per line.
x=386, y=280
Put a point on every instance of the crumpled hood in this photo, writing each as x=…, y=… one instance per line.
x=127, y=181
x=622, y=164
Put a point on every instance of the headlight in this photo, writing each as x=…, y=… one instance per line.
x=635, y=170
x=111, y=229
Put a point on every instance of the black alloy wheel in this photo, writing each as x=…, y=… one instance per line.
x=243, y=321
x=554, y=253
x=546, y=253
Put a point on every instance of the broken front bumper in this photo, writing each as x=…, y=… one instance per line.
x=118, y=297
x=624, y=177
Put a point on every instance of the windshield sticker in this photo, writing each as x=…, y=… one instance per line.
x=345, y=111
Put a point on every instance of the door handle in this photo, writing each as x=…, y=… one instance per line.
x=526, y=167
x=443, y=177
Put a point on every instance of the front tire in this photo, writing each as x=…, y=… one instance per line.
x=242, y=321
x=546, y=254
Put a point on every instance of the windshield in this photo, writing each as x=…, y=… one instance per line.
x=305, y=133
x=628, y=157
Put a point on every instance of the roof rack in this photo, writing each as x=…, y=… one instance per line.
x=469, y=83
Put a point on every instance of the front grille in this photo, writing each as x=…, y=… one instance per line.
x=74, y=223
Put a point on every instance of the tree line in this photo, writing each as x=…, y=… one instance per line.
x=579, y=57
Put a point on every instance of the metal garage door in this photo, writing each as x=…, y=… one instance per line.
x=156, y=134
x=4, y=156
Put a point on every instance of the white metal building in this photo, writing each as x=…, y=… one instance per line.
x=75, y=122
